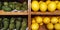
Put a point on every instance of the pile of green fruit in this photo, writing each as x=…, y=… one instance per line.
x=13, y=23
x=10, y=6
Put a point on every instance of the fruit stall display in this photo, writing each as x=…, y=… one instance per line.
x=45, y=23
x=30, y=14
x=13, y=22
x=13, y=6
x=10, y=6
x=13, y=14
x=45, y=7
x=45, y=15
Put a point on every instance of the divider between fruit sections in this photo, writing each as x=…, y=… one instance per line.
x=29, y=14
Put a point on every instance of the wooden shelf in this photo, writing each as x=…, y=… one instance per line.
x=13, y=13
x=46, y=13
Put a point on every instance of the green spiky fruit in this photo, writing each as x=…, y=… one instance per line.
x=0, y=23
x=6, y=8
x=12, y=5
x=5, y=3
x=18, y=23
x=6, y=23
x=25, y=5
x=24, y=24
x=18, y=6
x=0, y=5
x=12, y=25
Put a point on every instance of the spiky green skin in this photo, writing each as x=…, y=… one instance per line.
x=24, y=6
x=18, y=23
x=12, y=25
x=18, y=6
x=24, y=24
x=12, y=5
x=6, y=8
x=6, y=23
x=5, y=3
x=25, y=20
x=0, y=5
x=0, y=23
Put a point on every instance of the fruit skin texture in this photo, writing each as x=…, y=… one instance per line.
x=56, y=1
x=35, y=26
x=34, y=29
x=40, y=2
x=56, y=29
x=52, y=6
x=43, y=6
x=35, y=6
x=0, y=23
x=0, y=5
x=33, y=20
x=18, y=23
x=6, y=23
x=6, y=8
x=50, y=26
x=5, y=3
x=57, y=26
x=54, y=20
x=12, y=25
x=12, y=5
x=41, y=24
x=47, y=2
x=58, y=6
x=23, y=27
x=46, y=20
x=59, y=20
x=38, y=19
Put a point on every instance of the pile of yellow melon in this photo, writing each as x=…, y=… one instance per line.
x=50, y=22
x=45, y=6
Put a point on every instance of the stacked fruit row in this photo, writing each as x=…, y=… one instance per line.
x=10, y=6
x=50, y=22
x=13, y=23
x=45, y=6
